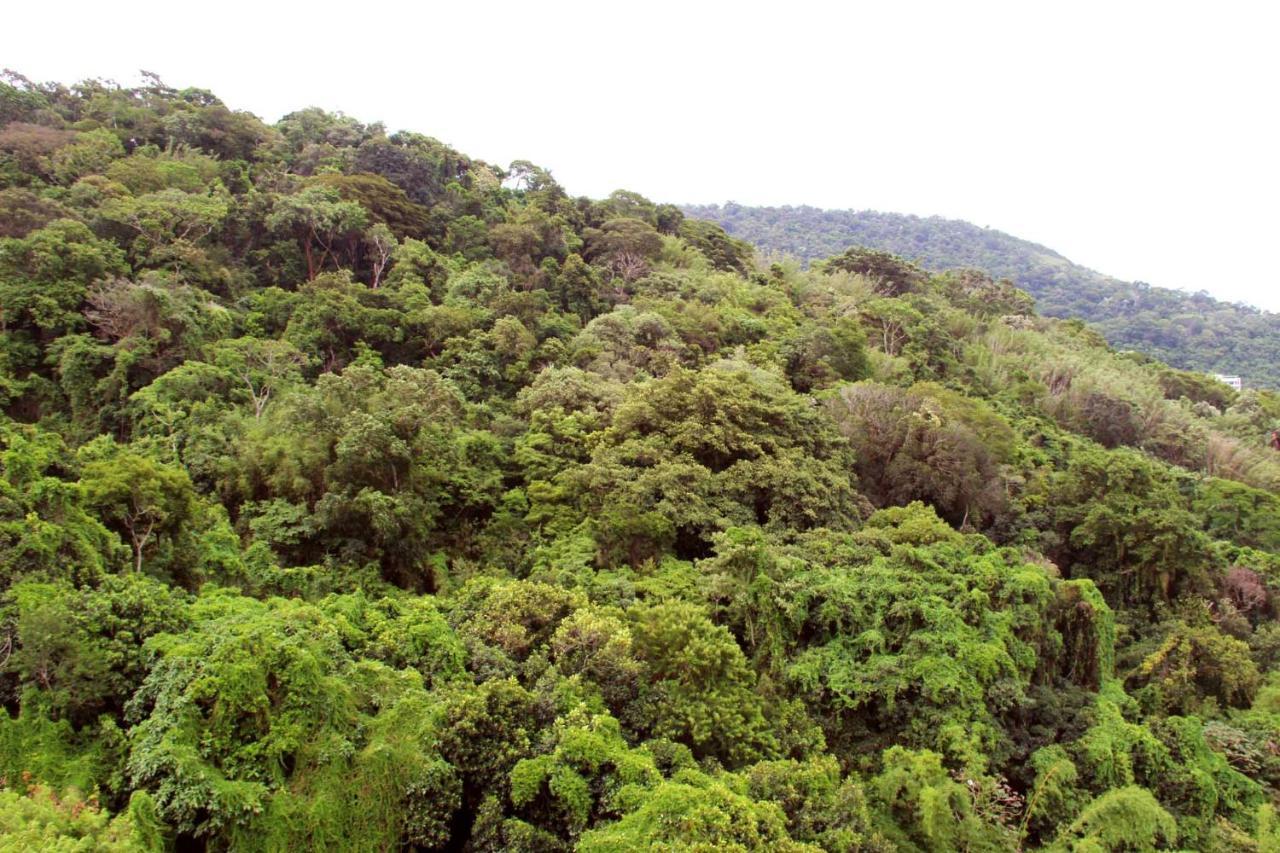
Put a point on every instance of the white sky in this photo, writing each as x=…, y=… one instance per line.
x=1140, y=139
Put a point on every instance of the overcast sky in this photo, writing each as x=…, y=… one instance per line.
x=1141, y=139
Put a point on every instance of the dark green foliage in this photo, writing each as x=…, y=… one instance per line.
x=928, y=444
x=81, y=648
x=724, y=252
x=821, y=808
x=356, y=494
x=1123, y=523
x=824, y=355
x=889, y=274
x=1191, y=331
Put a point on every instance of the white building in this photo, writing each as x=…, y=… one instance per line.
x=1233, y=381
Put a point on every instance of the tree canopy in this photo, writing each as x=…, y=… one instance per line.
x=358, y=494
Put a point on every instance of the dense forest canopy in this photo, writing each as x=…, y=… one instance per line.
x=1192, y=331
x=358, y=494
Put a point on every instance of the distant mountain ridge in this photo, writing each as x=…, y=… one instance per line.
x=1192, y=331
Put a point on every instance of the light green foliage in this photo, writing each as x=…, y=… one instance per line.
x=1088, y=629
x=256, y=728
x=1055, y=798
x=41, y=820
x=486, y=732
x=149, y=170
x=37, y=750
x=1124, y=819
x=147, y=502
x=1268, y=830
x=260, y=367
x=746, y=580
x=923, y=808
x=508, y=622
x=1172, y=759
x=46, y=529
x=1194, y=670
x=1199, y=787
x=579, y=782
x=698, y=689
x=402, y=632
x=1114, y=751
x=357, y=494
x=565, y=406
x=916, y=643
x=90, y=153
x=694, y=812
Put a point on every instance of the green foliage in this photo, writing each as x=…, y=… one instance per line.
x=90, y=153
x=42, y=820
x=1124, y=819
x=356, y=494
x=926, y=444
x=581, y=780
x=46, y=276
x=256, y=729
x=147, y=502
x=46, y=529
x=37, y=750
x=889, y=274
x=693, y=811
x=1238, y=513
x=1123, y=524
x=923, y=808
x=820, y=807
x=1193, y=670
x=921, y=644
x=698, y=689
x=1191, y=331
x=692, y=453
x=81, y=648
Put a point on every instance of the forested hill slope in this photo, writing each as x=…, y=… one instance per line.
x=1191, y=331
x=357, y=494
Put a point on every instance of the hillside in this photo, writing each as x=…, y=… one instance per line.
x=1190, y=331
x=357, y=494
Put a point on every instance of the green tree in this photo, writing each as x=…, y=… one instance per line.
x=261, y=366
x=1124, y=819
x=324, y=225
x=144, y=500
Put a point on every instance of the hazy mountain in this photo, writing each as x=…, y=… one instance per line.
x=1187, y=330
